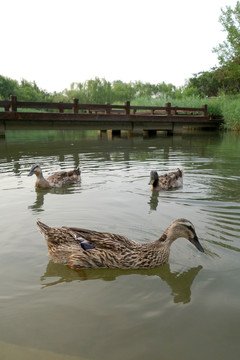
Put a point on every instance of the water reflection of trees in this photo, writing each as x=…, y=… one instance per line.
x=135, y=148
x=179, y=283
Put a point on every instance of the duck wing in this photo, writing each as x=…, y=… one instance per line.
x=164, y=181
x=102, y=240
x=170, y=179
x=64, y=177
x=176, y=174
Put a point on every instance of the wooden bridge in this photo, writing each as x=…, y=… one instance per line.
x=15, y=115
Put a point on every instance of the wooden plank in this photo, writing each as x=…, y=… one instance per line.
x=30, y=116
x=4, y=103
x=75, y=106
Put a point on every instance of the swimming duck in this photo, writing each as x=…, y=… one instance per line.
x=81, y=248
x=167, y=181
x=58, y=179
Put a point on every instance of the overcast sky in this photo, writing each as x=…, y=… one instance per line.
x=57, y=42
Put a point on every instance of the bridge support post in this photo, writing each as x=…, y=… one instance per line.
x=129, y=134
x=113, y=133
x=149, y=133
x=177, y=128
x=102, y=133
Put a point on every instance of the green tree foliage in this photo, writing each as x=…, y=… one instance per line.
x=224, y=79
x=95, y=91
x=100, y=91
x=206, y=83
x=229, y=51
x=29, y=91
x=7, y=87
x=122, y=91
x=25, y=90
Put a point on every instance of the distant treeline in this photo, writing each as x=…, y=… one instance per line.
x=205, y=84
x=24, y=90
x=100, y=91
x=91, y=91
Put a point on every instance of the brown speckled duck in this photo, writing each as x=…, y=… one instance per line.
x=58, y=179
x=81, y=248
x=167, y=181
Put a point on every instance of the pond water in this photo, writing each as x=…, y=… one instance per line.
x=186, y=309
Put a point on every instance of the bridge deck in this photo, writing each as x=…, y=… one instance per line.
x=101, y=117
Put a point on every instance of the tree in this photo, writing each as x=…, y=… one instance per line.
x=25, y=90
x=229, y=51
x=205, y=83
x=7, y=87
x=122, y=91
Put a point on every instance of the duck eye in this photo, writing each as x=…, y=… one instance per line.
x=190, y=228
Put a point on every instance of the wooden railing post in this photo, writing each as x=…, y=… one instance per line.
x=127, y=107
x=168, y=109
x=13, y=102
x=60, y=106
x=204, y=110
x=7, y=107
x=75, y=106
x=108, y=108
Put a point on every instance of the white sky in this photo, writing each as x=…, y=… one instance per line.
x=57, y=42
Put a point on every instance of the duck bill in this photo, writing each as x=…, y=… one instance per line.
x=196, y=243
x=151, y=182
x=31, y=172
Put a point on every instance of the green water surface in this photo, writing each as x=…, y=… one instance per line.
x=186, y=309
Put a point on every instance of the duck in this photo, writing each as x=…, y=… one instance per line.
x=167, y=181
x=58, y=179
x=81, y=249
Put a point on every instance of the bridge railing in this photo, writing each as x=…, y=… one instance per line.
x=15, y=105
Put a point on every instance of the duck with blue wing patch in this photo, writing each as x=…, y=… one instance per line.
x=82, y=248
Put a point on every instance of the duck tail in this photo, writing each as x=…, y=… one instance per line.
x=44, y=229
x=180, y=172
x=77, y=171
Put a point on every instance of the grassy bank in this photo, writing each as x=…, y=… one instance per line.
x=226, y=106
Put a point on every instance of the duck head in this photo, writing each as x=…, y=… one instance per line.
x=35, y=169
x=153, y=177
x=182, y=228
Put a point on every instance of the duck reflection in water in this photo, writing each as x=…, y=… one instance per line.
x=179, y=282
x=37, y=206
x=153, y=202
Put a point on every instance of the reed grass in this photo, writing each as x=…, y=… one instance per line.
x=225, y=106
x=230, y=108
